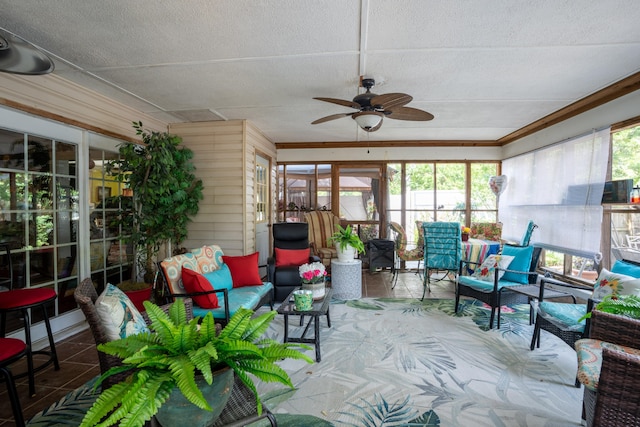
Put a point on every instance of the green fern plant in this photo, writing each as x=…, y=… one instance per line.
x=175, y=351
x=345, y=236
x=624, y=305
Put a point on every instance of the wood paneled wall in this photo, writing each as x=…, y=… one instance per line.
x=225, y=161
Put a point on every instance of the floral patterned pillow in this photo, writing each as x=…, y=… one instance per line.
x=609, y=283
x=487, y=270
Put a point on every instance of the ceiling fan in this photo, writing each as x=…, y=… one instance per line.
x=372, y=108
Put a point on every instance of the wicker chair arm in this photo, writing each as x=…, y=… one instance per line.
x=618, y=397
x=614, y=328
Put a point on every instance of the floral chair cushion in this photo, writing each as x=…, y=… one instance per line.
x=486, y=231
x=403, y=253
x=589, y=354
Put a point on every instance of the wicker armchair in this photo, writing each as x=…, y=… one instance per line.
x=614, y=398
x=241, y=407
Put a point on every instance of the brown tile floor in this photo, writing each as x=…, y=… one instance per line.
x=79, y=361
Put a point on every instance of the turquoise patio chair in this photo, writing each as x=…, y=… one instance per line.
x=442, y=249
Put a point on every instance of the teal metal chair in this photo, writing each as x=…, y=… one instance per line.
x=526, y=237
x=442, y=249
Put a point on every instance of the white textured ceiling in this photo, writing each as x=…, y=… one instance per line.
x=483, y=68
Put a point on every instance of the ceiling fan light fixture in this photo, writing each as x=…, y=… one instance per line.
x=368, y=120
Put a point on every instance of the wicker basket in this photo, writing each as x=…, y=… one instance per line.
x=318, y=289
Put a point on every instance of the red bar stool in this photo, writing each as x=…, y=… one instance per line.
x=22, y=300
x=11, y=350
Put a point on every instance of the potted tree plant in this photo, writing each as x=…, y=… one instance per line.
x=347, y=243
x=177, y=359
x=165, y=194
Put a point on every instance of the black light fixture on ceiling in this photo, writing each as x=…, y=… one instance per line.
x=17, y=56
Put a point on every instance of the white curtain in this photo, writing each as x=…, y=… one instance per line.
x=560, y=188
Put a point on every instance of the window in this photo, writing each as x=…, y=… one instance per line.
x=111, y=256
x=623, y=221
x=39, y=215
x=302, y=188
x=560, y=188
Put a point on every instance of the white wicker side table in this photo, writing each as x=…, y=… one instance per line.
x=346, y=279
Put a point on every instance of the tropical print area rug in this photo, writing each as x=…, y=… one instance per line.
x=406, y=362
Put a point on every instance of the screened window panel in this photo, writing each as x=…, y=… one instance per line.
x=560, y=188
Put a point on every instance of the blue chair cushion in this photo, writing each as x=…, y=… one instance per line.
x=246, y=297
x=564, y=315
x=482, y=285
x=626, y=268
x=521, y=262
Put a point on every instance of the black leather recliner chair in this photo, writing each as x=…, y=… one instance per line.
x=287, y=235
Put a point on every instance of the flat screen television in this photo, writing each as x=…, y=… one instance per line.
x=617, y=191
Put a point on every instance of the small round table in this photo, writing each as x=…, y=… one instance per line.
x=346, y=279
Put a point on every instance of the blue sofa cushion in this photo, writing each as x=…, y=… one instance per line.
x=220, y=278
x=483, y=285
x=246, y=297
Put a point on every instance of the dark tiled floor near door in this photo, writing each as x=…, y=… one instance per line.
x=79, y=361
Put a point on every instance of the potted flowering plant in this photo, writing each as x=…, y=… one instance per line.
x=313, y=276
x=465, y=233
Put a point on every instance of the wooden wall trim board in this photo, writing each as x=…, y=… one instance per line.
x=55, y=98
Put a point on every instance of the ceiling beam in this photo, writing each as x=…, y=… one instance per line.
x=609, y=93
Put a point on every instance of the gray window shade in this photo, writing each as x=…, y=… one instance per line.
x=560, y=188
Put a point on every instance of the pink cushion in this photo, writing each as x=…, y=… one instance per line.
x=19, y=298
x=285, y=257
x=196, y=282
x=244, y=270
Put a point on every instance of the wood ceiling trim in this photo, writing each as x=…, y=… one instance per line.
x=385, y=144
x=609, y=93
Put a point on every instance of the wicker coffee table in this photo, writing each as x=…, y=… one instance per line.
x=319, y=308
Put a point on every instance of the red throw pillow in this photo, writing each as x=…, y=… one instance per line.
x=244, y=269
x=196, y=282
x=285, y=257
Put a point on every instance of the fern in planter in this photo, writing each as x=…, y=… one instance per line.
x=175, y=351
x=623, y=305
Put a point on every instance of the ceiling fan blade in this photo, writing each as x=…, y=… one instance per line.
x=408, y=113
x=331, y=117
x=343, y=102
x=390, y=100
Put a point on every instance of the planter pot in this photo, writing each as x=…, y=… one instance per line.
x=317, y=289
x=177, y=410
x=347, y=254
x=138, y=297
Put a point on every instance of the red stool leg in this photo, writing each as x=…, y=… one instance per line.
x=12, y=350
